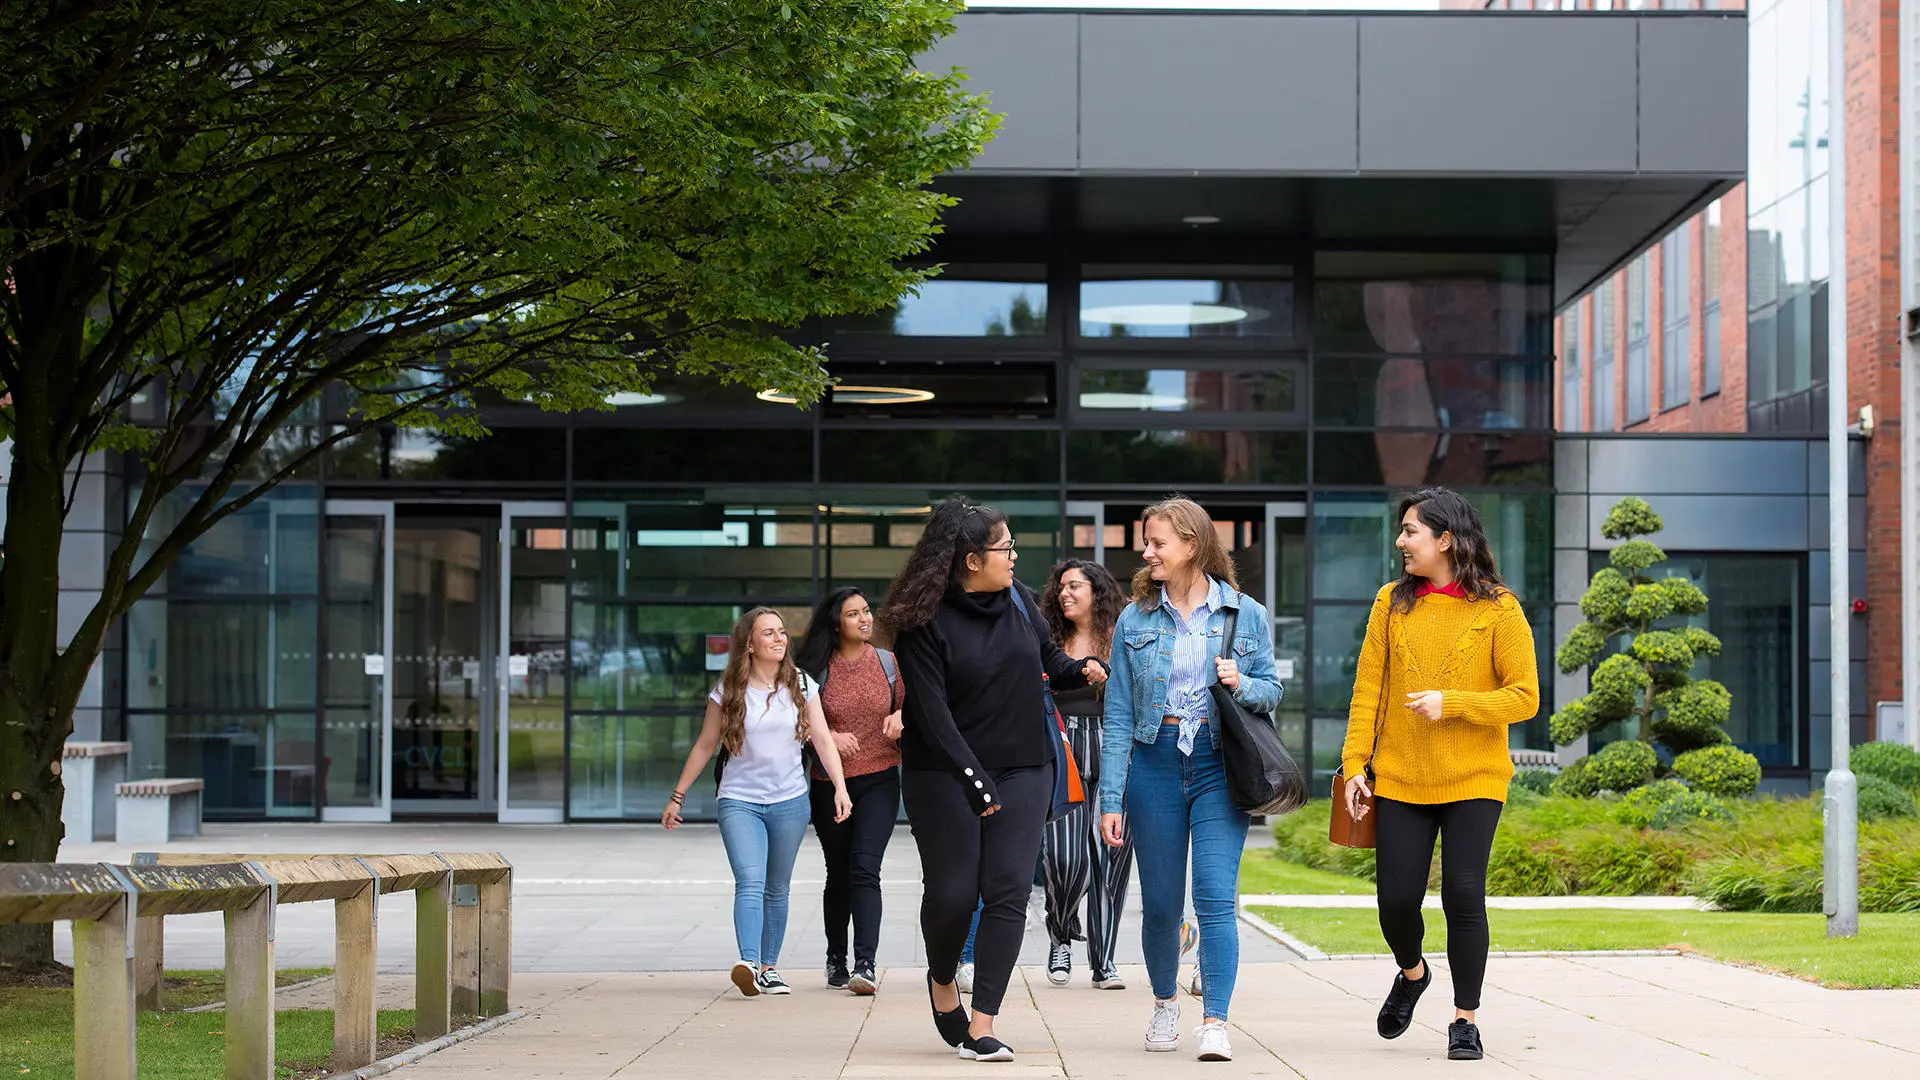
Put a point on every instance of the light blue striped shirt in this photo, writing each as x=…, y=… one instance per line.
x=1187, y=697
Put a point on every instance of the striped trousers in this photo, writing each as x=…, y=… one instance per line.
x=1078, y=865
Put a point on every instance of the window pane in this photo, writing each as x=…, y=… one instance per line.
x=1570, y=338
x=924, y=393
x=1410, y=392
x=1203, y=302
x=271, y=546
x=506, y=454
x=1277, y=392
x=693, y=545
x=1426, y=304
x=1604, y=388
x=1410, y=459
x=1352, y=548
x=624, y=767
x=871, y=533
x=1605, y=311
x=1636, y=381
x=632, y=656
x=253, y=765
x=1710, y=361
x=666, y=455
x=967, y=302
x=950, y=456
x=1339, y=630
x=1187, y=457
x=215, y=654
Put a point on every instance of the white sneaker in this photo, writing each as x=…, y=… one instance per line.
x=1036, y=907
x=964, y=979
x=1214, y=1045
x=1163, y=1031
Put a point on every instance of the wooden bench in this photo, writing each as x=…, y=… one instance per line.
x=91, y=772
x=156, y=811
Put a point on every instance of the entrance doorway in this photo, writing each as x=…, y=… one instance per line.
x=445, y=650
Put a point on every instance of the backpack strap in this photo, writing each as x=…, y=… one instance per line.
x=891, y=666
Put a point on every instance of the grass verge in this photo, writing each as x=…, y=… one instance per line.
x=192, y=988
x=1885, y=955
x=1263, y=872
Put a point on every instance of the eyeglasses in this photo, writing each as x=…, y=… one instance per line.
x=1006, y=547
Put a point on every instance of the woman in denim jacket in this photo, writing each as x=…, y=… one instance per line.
x=1160, y=734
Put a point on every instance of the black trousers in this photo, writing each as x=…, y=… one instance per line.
x=1404, y=856
x=966, y=859
x=854, y=849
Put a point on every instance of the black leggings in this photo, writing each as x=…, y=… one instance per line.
x=966, y=859
x=854, y=849
x=1404, y=855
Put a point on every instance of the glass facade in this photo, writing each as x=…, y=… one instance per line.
x=1676, y=303
x=528, y=624
x=1787, y=212
x=1605, y=386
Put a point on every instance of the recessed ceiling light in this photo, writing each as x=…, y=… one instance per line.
x=1170, y=314
x=629, y=397
x=859, y=395
x=1098, y=399
x=1200, y=219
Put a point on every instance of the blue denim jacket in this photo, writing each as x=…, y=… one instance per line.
x=1137, y=687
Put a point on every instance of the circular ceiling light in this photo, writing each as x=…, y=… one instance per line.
x=1200, y=219
x=626, y=398
x=1171, y=314
x=1122, y=400
x=858, y=395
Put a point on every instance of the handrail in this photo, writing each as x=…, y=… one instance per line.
x=463, y=941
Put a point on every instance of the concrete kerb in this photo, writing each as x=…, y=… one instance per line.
x=412, y=1054
x=287, y=989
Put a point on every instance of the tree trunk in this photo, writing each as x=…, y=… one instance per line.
x=30, y=801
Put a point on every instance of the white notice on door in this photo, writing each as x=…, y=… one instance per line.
x=518, y=665
x=470, y=670
x=1283, y=669
x=374, y=663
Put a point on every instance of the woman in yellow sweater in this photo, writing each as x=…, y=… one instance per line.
x=1447, y=666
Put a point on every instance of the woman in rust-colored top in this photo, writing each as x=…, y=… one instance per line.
x=860, y=696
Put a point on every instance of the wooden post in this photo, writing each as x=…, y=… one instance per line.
x=356, y=938
x=433, y=959
x=465, y=975
x=103, y=1011
x=496, y=945
x=149, y=962
x=250, y=989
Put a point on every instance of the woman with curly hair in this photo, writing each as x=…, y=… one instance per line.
x=764, y=710
x=977, y=752
x=1447, y=666
x=1081, y=603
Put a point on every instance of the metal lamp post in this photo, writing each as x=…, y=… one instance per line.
x=1840, y=809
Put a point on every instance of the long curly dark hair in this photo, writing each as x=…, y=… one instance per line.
x=1444, y=510
x=823, y=633
x=959, y=527
x=1106, y=604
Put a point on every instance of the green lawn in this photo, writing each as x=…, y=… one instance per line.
x=36, y=1033
x=190, y=988
x=1261, y=872
x=1886, y=954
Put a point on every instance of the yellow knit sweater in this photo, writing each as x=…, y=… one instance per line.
x=1479, y=655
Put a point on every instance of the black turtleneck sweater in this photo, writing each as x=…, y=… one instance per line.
x=973, y=688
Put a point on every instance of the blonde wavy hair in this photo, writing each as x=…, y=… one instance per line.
x=1190, y=522
x=733, y=686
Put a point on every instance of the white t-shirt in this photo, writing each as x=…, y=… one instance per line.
x=767, y=769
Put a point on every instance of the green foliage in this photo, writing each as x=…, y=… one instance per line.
x=1570, y=721
x=1692, y=715
x=1699, y=639
x=1896, y=763
x=1662, y=647
x=1538, y=781
x=1622, y=766
x=1630, y=517
x=1636, y=556
x=1649, y=603
x=1683, y=597
x=1583, y=644
x=1691, y=807
x=1880, y=799
x=1605, y=602
x=1617, y=685
x=1726, y=771
x=1637, y=807
x=1576, y=780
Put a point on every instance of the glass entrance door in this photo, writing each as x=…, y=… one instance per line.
x=445, y=604
x=533, y=660
x=356, y=706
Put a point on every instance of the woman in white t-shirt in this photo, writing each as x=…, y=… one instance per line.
x=763, y=712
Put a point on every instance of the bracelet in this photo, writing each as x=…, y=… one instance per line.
x=677, y=798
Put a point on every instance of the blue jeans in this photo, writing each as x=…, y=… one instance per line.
x=762, y=840
x=1173, y=799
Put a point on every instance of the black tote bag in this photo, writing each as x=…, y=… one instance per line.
x=1262, y=778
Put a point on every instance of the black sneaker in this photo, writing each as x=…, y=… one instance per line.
x=985, y=1048
x=771, y=982
x=837, y=974
x=1396, y=1016
x=952, y=1026
x=1060, y=964
x=1463, y=1041
x=863, y=981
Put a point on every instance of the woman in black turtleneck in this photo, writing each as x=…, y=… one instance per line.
x=976, y=754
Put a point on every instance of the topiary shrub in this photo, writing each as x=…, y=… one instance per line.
x=1649, y=679
x=1719, y=770
x=1575, y=781
x=1880, y=800
x=1689, y=808
x=1622, y=766
x=1637, y=807
x=1895, y=763
x=1538, y=781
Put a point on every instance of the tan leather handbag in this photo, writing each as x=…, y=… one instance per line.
x=1342, y=827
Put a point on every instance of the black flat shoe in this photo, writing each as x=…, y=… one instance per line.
x=985, y=1048
x=1463, y=1041
x=1396, y=1016
x=951, y=1025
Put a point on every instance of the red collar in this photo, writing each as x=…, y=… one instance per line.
x=1452, y=588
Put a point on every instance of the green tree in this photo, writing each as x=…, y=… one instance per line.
x=211, y=210
x=1649, y=680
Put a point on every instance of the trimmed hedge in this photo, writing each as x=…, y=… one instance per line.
x=1758, y=854
x=1895, y=763
x=1726, y=771
x=1880, y=799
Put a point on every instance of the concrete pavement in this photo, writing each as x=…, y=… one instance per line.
x=1556, y=1019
